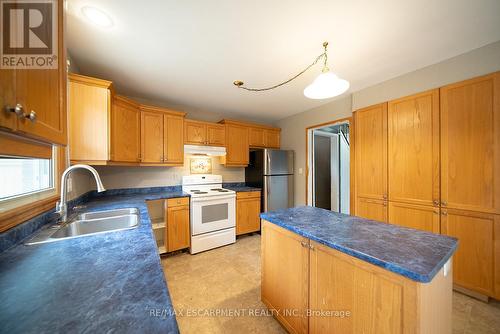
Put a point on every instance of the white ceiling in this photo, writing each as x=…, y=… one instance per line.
x=188, y=53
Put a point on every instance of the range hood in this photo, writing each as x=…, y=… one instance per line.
x=213, y=151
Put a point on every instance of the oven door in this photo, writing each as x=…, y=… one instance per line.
x=214, y=213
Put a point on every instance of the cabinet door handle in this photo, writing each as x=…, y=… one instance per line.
x=435, y=202
x=304, y=244
x=384, y=196
x=311, y=246
x=444, y=203
x=31, y=116
x=18, y=110
x=444, y=213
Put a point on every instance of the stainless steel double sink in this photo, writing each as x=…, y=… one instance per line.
x=89, y=223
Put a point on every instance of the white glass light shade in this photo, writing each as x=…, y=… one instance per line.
x=325, y=86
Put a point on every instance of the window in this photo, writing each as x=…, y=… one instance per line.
x=23, y=176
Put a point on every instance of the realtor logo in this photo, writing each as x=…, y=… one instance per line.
x=29, y=34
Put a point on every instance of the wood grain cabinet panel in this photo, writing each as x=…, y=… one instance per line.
x=371, y=152
x=216, y=135
x=8, y=98
x=272, y=138
x=413, y=149
x=237, y=145
x=371, y=209
x=247, y=213
x=195, y=132
x=374, y=299
x=89, y=113
x=470, y=144
x=257, y=137
x=178, y=232
x=152, y=137
x=42, y=93
x=173, y=140
x=474, y=260
x=285, y=276
x=125, y=130
x=420, y=217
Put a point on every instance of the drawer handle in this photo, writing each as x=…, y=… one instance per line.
x=18, y=110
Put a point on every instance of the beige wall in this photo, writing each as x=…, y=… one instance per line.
x=293, y=136
x=477, y=62
x=114, y=177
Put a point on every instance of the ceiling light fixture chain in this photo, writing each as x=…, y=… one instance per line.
x=324, y=56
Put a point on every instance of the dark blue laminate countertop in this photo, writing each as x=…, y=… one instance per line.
x=239, y=187
x=111, y=282
x=414, y=254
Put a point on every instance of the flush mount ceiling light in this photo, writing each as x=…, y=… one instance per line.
x=325, y=86
x=97, y=17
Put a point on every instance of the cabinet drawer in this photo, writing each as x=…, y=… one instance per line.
x=247, y=194
x=171, y=202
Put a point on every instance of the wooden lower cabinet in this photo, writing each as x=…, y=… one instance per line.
x=474, y=261
x=247, y=212
x=371, y=209
x=420, y=217
x=342, y=294
x=178, y=231
x=364, y=298
x=285, y=281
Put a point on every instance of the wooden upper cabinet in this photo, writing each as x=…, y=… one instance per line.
x=152, y=137
x=272, y=138
x=257, y=137
x=216, y=135
x=195, y=132
x=8, y=100
x=473, y=262
x=89, y=113
x=371, y=151
x=413, y=149
x=263, y=137
x=420, y=217
x=236, y=145
x=42, y=95
x=173, y=144
x=371, y=209
x=470, y=144
x=125, y=130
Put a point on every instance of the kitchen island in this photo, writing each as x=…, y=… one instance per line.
x=325, y=272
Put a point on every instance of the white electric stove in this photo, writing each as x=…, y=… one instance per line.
x=213, y=212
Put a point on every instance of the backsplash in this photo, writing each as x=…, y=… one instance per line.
x=119, y=177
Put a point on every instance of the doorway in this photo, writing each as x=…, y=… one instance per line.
x=329, y=158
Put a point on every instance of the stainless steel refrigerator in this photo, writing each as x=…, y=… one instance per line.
x=272, y=170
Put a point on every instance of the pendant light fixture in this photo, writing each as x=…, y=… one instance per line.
x=326, y=85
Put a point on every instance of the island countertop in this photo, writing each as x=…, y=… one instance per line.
x=415, y=254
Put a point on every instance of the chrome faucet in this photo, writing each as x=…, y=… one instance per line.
x=61, y=206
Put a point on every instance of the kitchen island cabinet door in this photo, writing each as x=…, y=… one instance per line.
x=285, y=276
